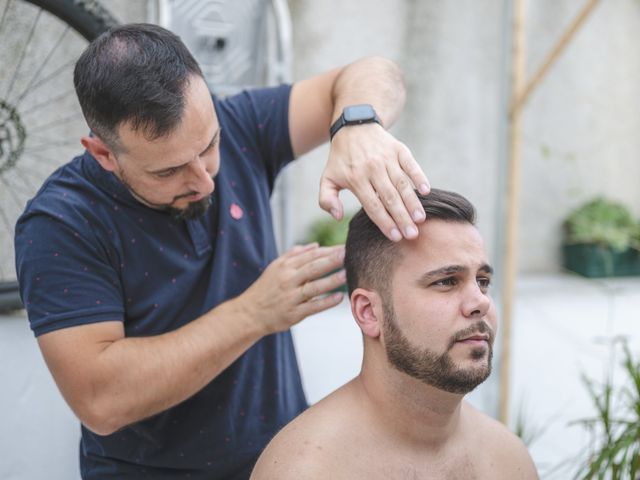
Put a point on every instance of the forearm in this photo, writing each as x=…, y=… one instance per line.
x=135, y=378
x=374, y=80
x=111, y=380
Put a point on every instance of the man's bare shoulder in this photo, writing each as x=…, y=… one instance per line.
x=308, y=446
x=503, y=452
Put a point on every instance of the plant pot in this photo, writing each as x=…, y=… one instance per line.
x=597, y=261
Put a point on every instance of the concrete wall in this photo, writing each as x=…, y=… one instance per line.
x=452, y=69
x=579, y=125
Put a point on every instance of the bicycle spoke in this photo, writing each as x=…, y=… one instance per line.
x=37, y=174
x=40, y=118
x=5, y=220
x=55, y=123
x=44, y=165
x=2, y=274
x=13, y=195
x=46, y=103
x=22, y=54
x=24, y=189
x=49, y=145
x=31, y=188
x=4, y=14
x=37, y=74
x=54, y=74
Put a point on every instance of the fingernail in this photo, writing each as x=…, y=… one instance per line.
x=423, y=188
x=341, y=254
x=418, y=215
x=334, y=213
x=342, y=275
x=411, y=231
x=396, y=236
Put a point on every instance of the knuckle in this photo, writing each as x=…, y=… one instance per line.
x=404, y=149
x=371, y=162
x=389, y=199
x=403, y=184
x=373, y=205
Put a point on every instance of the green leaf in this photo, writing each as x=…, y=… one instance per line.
x=602, y=222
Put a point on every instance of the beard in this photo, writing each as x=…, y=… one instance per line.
x=437, y=370
x=191, y=211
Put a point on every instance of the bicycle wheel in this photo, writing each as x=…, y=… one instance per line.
x=40, y=118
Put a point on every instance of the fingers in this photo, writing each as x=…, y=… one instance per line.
x=320, y=304
x=412, y=169
x=398, y=197
x=314, y=262
x=377, y=212
x=298, y=249
x=329, y=198
x=382, y=173
x=312, y=289
x=311, y=268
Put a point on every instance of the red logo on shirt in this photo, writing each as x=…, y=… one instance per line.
x=235, y=211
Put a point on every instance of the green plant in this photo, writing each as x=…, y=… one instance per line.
x=328, y=232
x=602, y=222
x=524, y=429
x=615, y=430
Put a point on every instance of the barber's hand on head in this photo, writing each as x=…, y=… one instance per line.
x=381, y=172
x=295, y=285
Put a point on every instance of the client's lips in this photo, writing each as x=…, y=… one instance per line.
x=475, y=338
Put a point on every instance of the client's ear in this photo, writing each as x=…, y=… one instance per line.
x=366, y=308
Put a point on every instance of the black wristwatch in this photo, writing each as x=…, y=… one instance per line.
x=354, y=115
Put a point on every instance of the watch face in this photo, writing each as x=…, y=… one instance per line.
x=359, y=113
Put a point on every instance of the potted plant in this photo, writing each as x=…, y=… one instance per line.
x=601, y=239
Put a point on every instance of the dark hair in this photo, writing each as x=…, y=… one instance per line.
x=135, y=73
x=370, y=256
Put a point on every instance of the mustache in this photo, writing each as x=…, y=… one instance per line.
x=478, y=327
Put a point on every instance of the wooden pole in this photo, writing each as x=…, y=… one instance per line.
x=513, y=194
x=520, y=94
x=559, y=47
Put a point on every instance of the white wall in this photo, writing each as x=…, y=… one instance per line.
x=39, y=435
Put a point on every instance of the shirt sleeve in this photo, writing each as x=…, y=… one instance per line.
x=259, y=119
x=66, y=277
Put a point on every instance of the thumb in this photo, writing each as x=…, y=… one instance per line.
x=329, y=198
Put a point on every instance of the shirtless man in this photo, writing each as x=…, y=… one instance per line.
x=429, y=325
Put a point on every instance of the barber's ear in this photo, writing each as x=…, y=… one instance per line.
x=100, y=152
x=366, y=307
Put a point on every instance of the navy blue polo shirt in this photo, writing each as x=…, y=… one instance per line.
x=87, y=251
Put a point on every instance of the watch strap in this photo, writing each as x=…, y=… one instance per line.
x=342, y=121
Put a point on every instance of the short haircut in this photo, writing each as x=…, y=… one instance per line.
x=370, y=256
x=135, y=74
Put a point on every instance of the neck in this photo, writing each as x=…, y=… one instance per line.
x=417, y=414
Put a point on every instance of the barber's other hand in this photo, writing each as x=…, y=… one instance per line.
x=294, y=286
x=381, y=172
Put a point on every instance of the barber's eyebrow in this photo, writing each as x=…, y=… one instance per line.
x=453, y=269
x=213, y=141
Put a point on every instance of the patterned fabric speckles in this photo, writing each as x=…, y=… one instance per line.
x=87, y=251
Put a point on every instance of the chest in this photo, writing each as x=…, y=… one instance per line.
x=386, y=465
x=171, y=271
